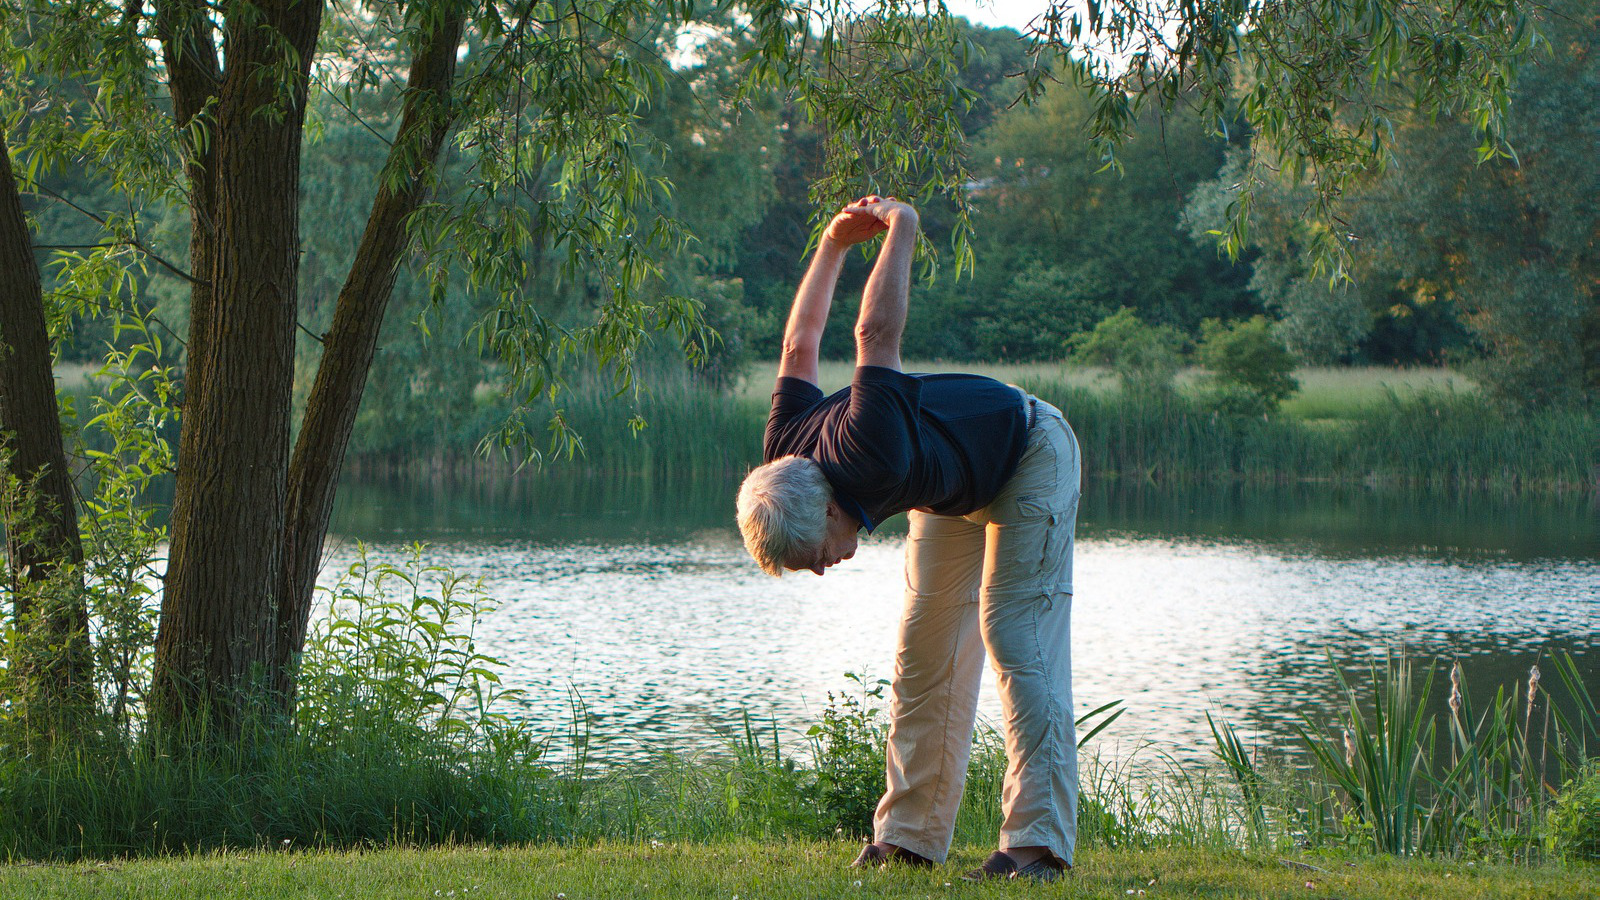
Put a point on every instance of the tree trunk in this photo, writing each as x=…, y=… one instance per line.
x=193, y=79
x=215, y=650
x=41, y=533
x=350, y=343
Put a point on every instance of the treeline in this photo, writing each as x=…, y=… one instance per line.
x=1490, y=266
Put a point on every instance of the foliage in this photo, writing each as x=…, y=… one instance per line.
x=401, y=737
x=123, y=533
x=1252, y=370
x=1575, y=821
x=1453, y=255
x=1144, y=357
x=1286, y=58
x=848, y=755
x=1482, y=792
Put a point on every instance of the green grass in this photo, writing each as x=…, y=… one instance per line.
x=1421, y=427
x=770, y=871
x=1325, y=392
x=835, y=374
x=1343, y=393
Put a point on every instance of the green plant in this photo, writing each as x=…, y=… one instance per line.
x=1382, y=765
x=848, y=753
x=1145, y=358
x=1574, y=824
x=1252, y=371
x=398, y=649
x=1241, y=765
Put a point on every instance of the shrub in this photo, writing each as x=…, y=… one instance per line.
x=1144, y=357
x=1574, y=825
x=848, y=747
x=1252, y=371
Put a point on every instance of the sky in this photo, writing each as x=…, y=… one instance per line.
x=994, y=13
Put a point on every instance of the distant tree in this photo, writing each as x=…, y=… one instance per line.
x=1062, y=241
x=1145, y=358
x=1503, y=246
x=1251, y=370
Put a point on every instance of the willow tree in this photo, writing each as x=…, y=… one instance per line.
x=50, y=660
x=204, y=103
x=542, y=101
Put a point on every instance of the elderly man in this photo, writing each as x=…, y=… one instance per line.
x=990, y=477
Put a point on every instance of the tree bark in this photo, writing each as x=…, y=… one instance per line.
x=193, y=79
x=350, y=343
x=41, y=535
x=215, y=650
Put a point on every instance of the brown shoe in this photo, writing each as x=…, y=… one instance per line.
x=1001, y=865
x=874, y=856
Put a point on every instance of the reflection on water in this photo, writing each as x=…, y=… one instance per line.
x=640, y=599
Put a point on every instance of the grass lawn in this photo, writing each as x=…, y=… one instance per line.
x=1325, y=392
x=766, y=871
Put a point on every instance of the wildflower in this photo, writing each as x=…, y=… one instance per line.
x=1311, y=885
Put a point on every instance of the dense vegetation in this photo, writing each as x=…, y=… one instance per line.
x=1061, y=243
x=563, y=212
x=402, y=738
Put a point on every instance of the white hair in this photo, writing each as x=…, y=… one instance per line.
x=783, y=511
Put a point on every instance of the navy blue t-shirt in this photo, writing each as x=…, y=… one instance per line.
x=891, y=441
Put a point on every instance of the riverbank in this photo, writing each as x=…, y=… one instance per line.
x=1385, y=427
x=756, y=870
x=1431, y=432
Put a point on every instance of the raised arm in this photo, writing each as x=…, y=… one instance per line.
x=887, y=296
x=802, y=336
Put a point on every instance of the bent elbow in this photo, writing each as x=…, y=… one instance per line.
x=877, y=345
x=799, y=350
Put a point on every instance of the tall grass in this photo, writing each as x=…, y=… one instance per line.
x=1431, y=440
x=1426, y=428
x=1406, y=434
x=672, y=428
x=1385, y=777
x=398, y=741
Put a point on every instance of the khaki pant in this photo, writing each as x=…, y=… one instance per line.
x=998, y=579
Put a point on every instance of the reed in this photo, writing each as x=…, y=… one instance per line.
x=1407, y=435
x=1432, y=440
x=1385, y=777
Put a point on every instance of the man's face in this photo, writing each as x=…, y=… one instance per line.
x=838, y=543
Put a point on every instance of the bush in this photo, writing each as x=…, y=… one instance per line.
x=848, y=747
x=1252, y=371
x=1574, y=824
x=1144, y=357
x=398, y=739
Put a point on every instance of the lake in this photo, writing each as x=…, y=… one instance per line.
x=637, y=597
